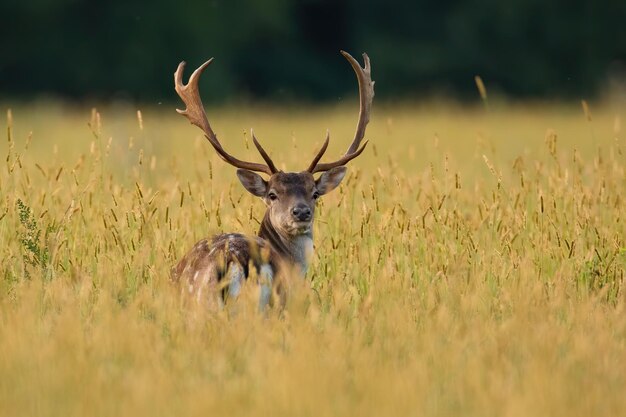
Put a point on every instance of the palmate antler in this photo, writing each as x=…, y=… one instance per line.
x=197, y=116
x=366, y=96
x=195, y=113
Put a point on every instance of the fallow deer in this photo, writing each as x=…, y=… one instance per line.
x=214, y=270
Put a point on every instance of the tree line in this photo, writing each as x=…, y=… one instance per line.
x=288, y=50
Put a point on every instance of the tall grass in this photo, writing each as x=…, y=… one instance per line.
x=472, y=263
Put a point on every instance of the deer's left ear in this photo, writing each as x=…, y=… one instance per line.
x=254, y=183
x=330, y=179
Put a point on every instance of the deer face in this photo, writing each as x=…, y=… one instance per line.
x=290, y=197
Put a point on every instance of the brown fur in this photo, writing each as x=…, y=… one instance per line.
x=201, y=270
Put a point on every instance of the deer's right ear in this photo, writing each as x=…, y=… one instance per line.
x=252, y=182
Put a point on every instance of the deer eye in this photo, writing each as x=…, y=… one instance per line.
x=316, y=195
x=272, y=196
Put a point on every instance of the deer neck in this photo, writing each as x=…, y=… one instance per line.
x=296, y=250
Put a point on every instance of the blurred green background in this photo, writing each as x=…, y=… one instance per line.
x=278, y=50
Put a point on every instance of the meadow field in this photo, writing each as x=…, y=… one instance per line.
x=471, y=264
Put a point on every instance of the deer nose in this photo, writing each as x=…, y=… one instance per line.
x=301, y=213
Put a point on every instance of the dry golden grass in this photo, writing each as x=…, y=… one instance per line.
x=471, y=264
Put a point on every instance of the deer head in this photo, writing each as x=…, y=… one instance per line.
x=289, y=196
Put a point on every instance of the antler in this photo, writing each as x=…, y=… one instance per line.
x=366, y=95
x=195, y=113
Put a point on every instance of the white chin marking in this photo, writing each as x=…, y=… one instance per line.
x=295, y=229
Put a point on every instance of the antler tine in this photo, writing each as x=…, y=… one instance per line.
x=190, y=95
x=195, y=113
x=264, y=154
x=366, y=96
x=340, y=162
x=320, y=153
